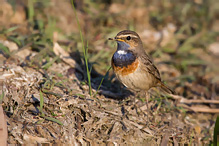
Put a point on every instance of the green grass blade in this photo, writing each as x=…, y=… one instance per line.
x=41, y=103
x=53, y=119
x=10, y=29
x=30, y=10
x=88, y=71
x=2, y=96
x=49, y=64
x=84, y=49
x=102, y=80
x=216, y=132
x=4, y=49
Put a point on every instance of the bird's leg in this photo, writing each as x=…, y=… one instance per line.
x=148, y=111
x=134, y=103
x=135, y=107
x=133, y=100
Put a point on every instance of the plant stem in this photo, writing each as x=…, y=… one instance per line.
x=84, y=50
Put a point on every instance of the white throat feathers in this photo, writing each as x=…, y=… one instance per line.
x=121, y=52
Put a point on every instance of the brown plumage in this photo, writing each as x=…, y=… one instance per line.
x=132, y=66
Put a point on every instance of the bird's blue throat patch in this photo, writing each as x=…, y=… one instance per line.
x=123, y=58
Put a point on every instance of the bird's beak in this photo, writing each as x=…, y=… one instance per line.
x=116, y=39
x=112, y=39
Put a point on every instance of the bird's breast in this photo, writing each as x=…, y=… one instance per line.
x=124, y=62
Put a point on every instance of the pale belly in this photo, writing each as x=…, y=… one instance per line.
x=138, y=80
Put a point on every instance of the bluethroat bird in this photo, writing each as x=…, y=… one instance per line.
x=132, y=65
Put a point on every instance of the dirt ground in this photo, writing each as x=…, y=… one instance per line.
x=54, y=88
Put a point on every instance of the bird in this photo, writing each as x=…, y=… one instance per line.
x=132, y=65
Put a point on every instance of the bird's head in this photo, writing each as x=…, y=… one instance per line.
x=128, y=40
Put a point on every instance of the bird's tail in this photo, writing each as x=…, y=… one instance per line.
x=166, y=88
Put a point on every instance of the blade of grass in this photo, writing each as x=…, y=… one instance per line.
x=102, y=80
x=216, y=132
x=53, y=119
x=51, y=27
x=88, y=71
x=30, y=10
x=8, y=30
x=49, y=64
x=14, y=39
x=84, y=49
x=41, y=104
x=40, y=121
x=5, y=50
x=191, y=138
x=2, y=96
x=43, y=115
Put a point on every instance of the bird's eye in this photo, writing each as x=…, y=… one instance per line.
x=128, y=38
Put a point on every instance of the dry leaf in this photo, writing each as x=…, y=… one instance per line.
x=29, y=139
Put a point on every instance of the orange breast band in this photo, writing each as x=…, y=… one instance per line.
x=126, y=70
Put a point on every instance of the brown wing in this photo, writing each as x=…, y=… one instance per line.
x=150, y=67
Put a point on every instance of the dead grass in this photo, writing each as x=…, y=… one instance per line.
x=46, y=94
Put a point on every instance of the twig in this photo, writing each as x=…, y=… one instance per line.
x=187, y=101
x=199, y=109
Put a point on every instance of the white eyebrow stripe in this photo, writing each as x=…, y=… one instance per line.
x=125, y=35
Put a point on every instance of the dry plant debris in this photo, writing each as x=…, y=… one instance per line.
x=44, y=88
